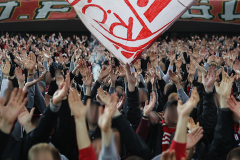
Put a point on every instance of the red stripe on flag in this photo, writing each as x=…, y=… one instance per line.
x=156, y=7
x=74, y=2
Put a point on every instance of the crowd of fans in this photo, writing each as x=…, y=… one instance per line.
x=179, y=101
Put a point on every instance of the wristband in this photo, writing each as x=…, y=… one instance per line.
x=145, y=117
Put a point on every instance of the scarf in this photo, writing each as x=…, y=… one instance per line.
x=167, y=132
x=188, y=90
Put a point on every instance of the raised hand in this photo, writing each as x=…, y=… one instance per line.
x=131, y=78
x=121, y=71
x=87, y=80
x=191, y=124
x=113, y=76
x=105, y=97
x=149, y=107
x=193, y=137
x=199, y=68
x=82, y=68
x=32, y=57
x=121, y=101
x=186, y=108
x=30, y=84
x=78, y=109
x=234, y=106
x=192, y=69
x=179, y=63
x=104, y=72
x=61, y=92
x=20, y=77
x=104, y=121
x=149, y=67
x=173, y=77
x=11, y=111
x=6, y=68
x=25, y=117
x=137, y=64
x=29, y=64
x=209, y=79
x=225, y=87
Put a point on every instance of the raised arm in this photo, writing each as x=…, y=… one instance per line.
x=47, y=121
x=79, y=110
x=5, y=72
x=134, y=113
x=108, y=151
x=208, y=118
x=9, y=115
x=223, y=141
x=181, y=94
x=180, y=137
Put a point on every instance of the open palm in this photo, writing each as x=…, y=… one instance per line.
x=25, y=117
x=224, y=89
x=14, y=106
x=78, y=109
x=149, y=107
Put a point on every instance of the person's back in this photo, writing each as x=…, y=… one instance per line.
x=159, y=134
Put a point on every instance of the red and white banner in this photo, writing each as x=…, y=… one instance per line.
x=128, y=27
x=222, y=11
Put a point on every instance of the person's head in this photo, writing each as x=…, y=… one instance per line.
x=92, y=113
x=119, y=90
x=43, y=151
x=173, y=96
x=113, y=61
x=65, y=59
x=234, y=154
x=48, y=78
x=170, y=113
x=59, y=78
x=167, y=86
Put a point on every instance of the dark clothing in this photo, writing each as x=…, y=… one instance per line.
x=134, y=113
x=132, y=142
x=208, y=118
x=62, y=136
x=18, y=150
x=94, y=90
x=223, y=141
x=154, y=138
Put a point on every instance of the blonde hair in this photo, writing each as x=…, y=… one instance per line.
x=172, y=96
x=43, y=147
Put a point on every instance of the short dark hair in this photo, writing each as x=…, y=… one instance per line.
x=41, y=147
x=97, y=103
